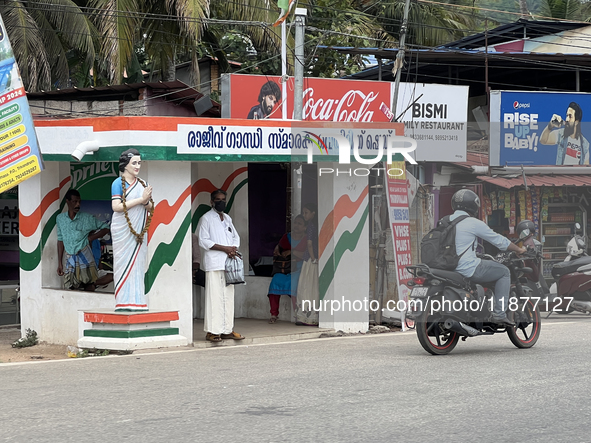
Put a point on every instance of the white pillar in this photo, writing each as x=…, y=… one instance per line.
x=38, y=260
x=344, y=248
x=168, y=280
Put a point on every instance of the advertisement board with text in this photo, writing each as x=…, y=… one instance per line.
x=539, y=128
x=434, y=115
x=325, y=99
x=19, y=152
x=399, y=216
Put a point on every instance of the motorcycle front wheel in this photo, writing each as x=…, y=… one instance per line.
x=527, y=328
x=434, y=338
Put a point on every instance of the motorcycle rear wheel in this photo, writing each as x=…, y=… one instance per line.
x=527, y=328
x=434, y=338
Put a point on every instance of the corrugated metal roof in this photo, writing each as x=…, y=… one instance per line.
x=474, y=159
x=174, y=91
x=518, y=29
x=175, y=84
x=509, y=182
x=452, y=53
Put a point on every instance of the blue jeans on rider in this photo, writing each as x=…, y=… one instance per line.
x=489, y=271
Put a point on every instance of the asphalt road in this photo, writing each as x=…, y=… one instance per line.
x=356, y=389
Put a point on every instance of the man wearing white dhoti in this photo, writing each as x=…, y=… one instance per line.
x=131, y=200
x=219, y=239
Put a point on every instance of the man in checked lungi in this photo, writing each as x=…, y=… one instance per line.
x=76, y=231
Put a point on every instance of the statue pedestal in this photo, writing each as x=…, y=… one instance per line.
x=128, y=331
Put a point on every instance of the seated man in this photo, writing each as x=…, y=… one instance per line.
x=75, y=233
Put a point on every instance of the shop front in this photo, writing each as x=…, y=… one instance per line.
x=555, y=203
x=9, y=257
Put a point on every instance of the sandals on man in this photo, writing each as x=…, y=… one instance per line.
x=233, y=335
x=273, y=319
x=213, y=337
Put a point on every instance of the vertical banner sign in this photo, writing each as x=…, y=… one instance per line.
x=399, y=214
x=20, y=158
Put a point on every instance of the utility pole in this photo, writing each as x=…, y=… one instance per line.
x=486, y=88
x=298, y=92
x=399, y=63
x=283, y=70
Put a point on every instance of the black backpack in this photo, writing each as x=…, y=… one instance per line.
x=438, y=247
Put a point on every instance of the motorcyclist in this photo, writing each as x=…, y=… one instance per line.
x=466, y=202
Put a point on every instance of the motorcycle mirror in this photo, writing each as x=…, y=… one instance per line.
x=577, y=226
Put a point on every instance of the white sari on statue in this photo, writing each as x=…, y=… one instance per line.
x=129, y=256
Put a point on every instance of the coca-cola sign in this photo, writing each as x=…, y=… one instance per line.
x=330, y=100
x=354, y=106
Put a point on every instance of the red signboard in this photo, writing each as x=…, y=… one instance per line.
x=324, y=99
x=397, y=192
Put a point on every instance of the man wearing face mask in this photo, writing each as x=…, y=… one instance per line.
x=219, y=239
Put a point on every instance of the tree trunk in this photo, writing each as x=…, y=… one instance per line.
x=170, y=71
x=523, y=9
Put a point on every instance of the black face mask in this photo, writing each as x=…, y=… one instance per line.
x=219, y=206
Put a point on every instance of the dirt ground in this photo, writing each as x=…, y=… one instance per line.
x=41, y=351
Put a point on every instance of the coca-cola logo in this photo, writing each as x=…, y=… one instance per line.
x=353, y=106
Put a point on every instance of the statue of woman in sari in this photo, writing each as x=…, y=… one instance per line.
x=131, y=200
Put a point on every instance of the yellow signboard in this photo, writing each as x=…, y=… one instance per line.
x=20, y=158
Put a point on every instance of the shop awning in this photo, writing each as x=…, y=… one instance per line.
x=512, y=181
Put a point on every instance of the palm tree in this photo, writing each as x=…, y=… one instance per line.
x=265, y=40
x=162, y=26
x=342, y=24
x=41, y=34
x=562, y=9
x=429, y=24
x=329, y=22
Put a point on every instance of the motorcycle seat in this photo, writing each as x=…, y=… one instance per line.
x=568, y=267
x=449, y=275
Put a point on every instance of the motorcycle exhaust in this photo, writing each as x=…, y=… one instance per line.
x=460, y=328
x=582, y=306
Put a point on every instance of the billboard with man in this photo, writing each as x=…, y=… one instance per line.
x=539, y=128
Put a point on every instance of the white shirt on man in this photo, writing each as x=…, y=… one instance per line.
x=573, y=152
x=214, y=231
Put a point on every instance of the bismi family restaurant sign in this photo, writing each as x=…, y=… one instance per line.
x=434, y=115
x=539, y=128
x=19, y=152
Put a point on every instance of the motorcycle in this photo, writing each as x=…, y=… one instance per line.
x=445, y=306
x=572, y=290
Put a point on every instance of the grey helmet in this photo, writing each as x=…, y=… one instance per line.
x=525, y=229
x=466, y=200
